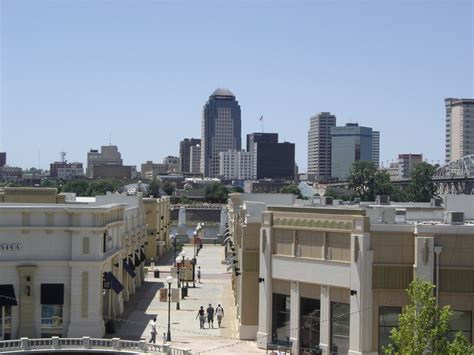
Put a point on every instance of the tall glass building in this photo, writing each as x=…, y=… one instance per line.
x=348, y=144
x=221, y=130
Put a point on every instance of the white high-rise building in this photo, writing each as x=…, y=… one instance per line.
x=319, y=145
x=236, y=164
x=459, y=128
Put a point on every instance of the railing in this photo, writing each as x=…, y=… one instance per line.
x=91, y=344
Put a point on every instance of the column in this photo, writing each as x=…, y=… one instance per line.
x=424, y=258
x=264, y=335
x=26, y=295
x=361, y=295
x=325, y=321
x=295, y=316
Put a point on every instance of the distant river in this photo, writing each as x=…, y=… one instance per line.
x=207, y=232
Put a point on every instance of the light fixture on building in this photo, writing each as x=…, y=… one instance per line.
x=116, y=264
x=261, y=279
x=27, y=290
x=353, y=292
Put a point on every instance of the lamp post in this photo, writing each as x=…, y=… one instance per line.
x=182, y=255
x=194, y=258
x=169, y=279
x=179, y=282
x=173, y=236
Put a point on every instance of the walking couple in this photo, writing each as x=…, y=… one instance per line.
x=219, y=311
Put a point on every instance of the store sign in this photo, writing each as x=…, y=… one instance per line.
x=10, y=246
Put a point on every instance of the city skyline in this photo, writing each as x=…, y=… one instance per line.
x=72, y=86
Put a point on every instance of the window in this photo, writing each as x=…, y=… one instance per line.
x=281, y=317
x=340, y=317
x=388, y=319
x=460, y=321
x=51, y=320
x=5, y=322
x=309, y=323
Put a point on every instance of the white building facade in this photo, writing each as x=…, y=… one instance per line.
x=67, y=269
x=236, y=164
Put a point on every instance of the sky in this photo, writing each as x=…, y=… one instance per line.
x=76, y=75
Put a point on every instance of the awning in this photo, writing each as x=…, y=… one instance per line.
x=137, y=260
x=128, y=269
x=114, y=282
x=130, y=264
x=226, y=240
x=142, y=255
x=7, y=296
x=52, y=293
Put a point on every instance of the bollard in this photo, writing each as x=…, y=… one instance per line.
x=116, y=343
x=55, y=342
x=25, y=344
x=86, y=342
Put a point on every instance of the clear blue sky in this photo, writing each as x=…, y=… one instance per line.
x=74, y=71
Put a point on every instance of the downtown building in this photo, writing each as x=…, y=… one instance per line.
x=235, y=165
x=195, y=159
x=221, y=130
x=185, y=159
x=108, y=156
x=459, y=128
x=334, y=278
x=319, y=146
x=349, y=144
x=271, y=160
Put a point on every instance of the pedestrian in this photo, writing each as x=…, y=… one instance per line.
x=199, y=274
x=153, y=331
x=210, y=316
x=219, y=314
x=200, y=314
x=164, y=338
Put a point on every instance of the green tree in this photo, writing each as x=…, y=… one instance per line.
x=100, y=187
x=79, y=187
x=460, y=345
x=421, y=187
x=361, y=179
x=237, y=189
x=423, y=325
x=291, y=189
x=169, y=187
x=154, y=188
x=216, y=193
x=382, y=184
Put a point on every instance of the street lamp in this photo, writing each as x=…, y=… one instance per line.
x=173, y=237
x=169, y=279
x=183, y=254
x=177, y=260
x=194, y=258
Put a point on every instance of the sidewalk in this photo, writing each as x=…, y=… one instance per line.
x=185, y=332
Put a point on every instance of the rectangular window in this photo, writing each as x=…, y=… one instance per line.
x=85, y=245
x=340, y=317
x=388, y=319
x=461, y=321
x=281, y=317
x=309, y=324
x=51, y=320
x=5, y=322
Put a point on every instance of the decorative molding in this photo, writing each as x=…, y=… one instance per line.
x=313, y=223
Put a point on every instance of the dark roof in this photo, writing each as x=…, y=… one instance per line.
x=222, y=92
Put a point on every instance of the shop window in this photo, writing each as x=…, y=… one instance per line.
x=388, y=319
x=51, y=320
x=309, y=324
x=5, y=322
x=461, y=321
x=340, y=317
x=281, y=317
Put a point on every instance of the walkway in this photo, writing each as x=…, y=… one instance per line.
x=185, y=333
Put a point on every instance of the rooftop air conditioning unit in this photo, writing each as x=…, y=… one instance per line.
x=455, y=218
x=382, y=200
x=327, y=201
x=400, y=215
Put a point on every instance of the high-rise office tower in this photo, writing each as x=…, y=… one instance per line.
x=185, y=153
x=319, y=145
x=3, y=159
x=459, y=128
x=235, y=164
x=271, y=159
x=109, y=155
x=376, y=148
x=221, y=130
x=349, y=144
x=195, y=159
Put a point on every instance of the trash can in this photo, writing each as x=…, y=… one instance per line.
x=184, y=291
x=156, y=274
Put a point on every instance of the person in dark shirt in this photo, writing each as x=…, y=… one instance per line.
x=210, y=316
x=200, y=314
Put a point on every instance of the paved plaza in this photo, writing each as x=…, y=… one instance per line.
x=215, y=288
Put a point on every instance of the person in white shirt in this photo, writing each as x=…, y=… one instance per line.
x=219, y=314
x=153, y=331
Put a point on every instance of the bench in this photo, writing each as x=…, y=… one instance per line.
x=280, y=346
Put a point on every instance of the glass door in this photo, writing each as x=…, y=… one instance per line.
x=5, y=322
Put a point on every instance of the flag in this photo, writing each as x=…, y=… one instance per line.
x=261, y=118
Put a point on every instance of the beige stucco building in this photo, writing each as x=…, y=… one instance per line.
x=157, y=217
x=335, y=277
